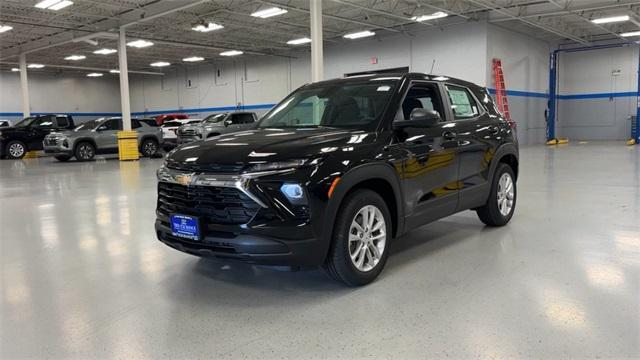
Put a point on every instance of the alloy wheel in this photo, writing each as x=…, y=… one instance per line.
x=367, y=238
x=85, y=151
x=16, y=150
x=149, y=148
x=505, y=194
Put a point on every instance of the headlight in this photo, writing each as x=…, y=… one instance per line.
x=280, y=165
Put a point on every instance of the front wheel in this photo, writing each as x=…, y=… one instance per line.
x=359, y=249
x=502, y=200
x=85, y=151
x=16, y=149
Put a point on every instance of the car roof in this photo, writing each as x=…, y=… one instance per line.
x=395, y=77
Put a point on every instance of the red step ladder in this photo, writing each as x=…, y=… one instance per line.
x=501, y=92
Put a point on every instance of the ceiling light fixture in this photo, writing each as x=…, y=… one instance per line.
x=304, y=40
x=435, y=15
x=160, y=64
x=630, y=34
x=5, y=28
x=358, y=35
x=114, y=71
x=75, y=57
x=35, y=66
x=193, y=59
x=94, y=74
x=140, y=44
x=207, y=27
x=15, y=69
x=53, y=4
x=231, y=53
x=611, y=19
x=267, y=13
x=105, y=51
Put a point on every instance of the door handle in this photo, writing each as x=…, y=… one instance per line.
x=449, y=135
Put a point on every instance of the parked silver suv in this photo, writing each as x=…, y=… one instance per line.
x=217, y=124
x=99, y=136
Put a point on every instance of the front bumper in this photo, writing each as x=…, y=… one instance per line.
x=246, y=247
x=57, y=146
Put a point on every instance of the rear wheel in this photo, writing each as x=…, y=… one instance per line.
x=85, y=151
x=16, y=149
x=62, y=158
x=359, y=249
x=149, y=147
x=502, y=200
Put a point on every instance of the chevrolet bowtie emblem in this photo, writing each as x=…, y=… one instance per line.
x=185, y=179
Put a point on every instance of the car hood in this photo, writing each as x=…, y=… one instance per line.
x=8, y=129
x=260, y=145
x=70, y=133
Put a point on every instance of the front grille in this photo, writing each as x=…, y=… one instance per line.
x=187, y=132
x=215, y=205
x=208, y=168
x=51, y=142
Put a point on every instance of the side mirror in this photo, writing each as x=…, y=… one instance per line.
x=419, y=118
x=102, y=128
x=228, y=122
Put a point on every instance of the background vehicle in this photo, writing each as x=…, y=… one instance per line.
x=27, y=135
x=217, y=124
x=337, y=170
x=99, y=137
x=160, y=119
x=169, y=130
x=148, y=121
x=5, y=123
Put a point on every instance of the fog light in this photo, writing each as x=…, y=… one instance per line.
x=292, y=191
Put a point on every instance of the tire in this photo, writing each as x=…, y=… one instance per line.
x=347, y=239
x=16, y=149
x=501, y=203
x=62, y=158
x=85, y=151
x=148, y=147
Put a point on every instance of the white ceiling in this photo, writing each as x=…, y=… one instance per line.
x=33, y=28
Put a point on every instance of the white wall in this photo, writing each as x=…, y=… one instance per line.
x=60, y=93
x=607, y=81
x=525, y=63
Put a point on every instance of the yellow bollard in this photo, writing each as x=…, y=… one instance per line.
x=31, y=155
x=128, y=145
x=631, y=142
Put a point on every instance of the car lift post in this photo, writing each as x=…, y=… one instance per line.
x=553, y=96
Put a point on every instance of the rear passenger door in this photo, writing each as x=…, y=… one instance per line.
x=430, y=168
x=107, y=134
x=475, y=130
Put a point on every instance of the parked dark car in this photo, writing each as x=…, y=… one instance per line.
x=27, y=135
x=5, y=123
x=337, y=170
x=150, y=122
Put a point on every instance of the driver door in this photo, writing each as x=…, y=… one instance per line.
x=39, y=129
x=430, y=168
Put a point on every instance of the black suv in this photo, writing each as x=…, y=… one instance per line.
x=28, y=134
x=337, y=170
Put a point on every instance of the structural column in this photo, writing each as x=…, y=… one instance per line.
x=317, y=60
x=124, y=81
x=24, y=85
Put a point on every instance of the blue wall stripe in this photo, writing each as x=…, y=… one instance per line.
x=515, y=93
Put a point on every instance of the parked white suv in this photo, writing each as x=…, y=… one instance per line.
x=169, y=130
x=217, y=124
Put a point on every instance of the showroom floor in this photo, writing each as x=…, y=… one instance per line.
x=83, y=275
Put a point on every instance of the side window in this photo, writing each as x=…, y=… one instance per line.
x=113, y=124
x=135, y=124
x=44, y=122
x=62, y=121
x=462, y=103
x=246, y=118
x=424, y=96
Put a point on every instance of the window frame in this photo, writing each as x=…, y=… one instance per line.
x=445, y=117
x=481, y=109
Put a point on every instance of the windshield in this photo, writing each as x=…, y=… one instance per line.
x=89, y=125
x=214, y=118
x=25, y=122
x=342, y=105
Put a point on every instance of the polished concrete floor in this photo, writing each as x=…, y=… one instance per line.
x=84, y=277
